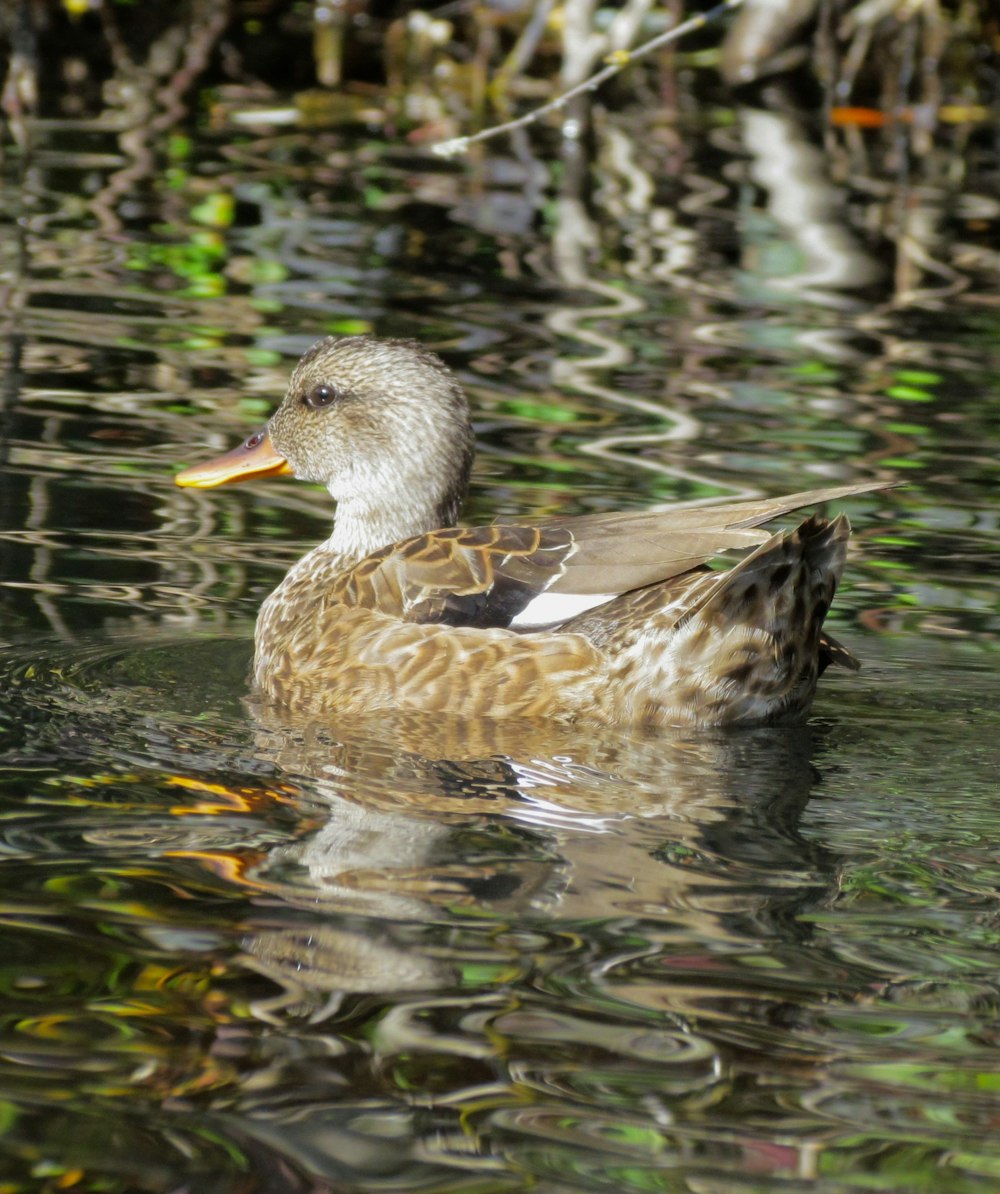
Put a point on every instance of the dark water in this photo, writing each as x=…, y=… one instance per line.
x=240, y=955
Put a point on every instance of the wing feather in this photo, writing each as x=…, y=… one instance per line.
x=489, y=576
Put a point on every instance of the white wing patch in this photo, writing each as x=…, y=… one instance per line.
x=550, y=609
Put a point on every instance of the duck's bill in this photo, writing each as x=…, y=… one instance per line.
x=254, y=458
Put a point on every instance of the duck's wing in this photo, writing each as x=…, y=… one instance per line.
x=501, y=575
x=527, y=576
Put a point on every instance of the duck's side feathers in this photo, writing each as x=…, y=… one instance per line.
x=743, y=646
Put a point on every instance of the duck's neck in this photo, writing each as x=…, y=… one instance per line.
x=359, y=528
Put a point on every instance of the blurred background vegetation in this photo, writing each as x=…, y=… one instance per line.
x=437, y=71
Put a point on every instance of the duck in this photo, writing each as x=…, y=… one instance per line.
x=614, y=617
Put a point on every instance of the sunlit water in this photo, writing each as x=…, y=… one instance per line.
x=245, y=955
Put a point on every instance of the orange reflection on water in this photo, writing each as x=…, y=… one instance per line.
x=243, y=800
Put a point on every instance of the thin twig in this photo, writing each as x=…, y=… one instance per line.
x=616, y=61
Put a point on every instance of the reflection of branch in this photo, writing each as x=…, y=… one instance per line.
x=575, y=236
x=521, y=54
x=808, y=210
x=582, y=46
x=176, y=57
x=19, y=93
x=617, y=61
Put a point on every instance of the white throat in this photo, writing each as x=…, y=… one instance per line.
x=359, y=528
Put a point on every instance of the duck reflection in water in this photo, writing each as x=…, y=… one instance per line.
x=522, y=824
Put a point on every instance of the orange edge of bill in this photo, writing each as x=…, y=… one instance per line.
x=254, y=458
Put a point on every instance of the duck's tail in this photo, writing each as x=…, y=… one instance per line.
x=754, y=641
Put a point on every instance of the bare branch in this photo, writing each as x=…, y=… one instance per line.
x=616, y=61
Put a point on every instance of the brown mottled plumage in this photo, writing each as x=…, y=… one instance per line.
x=613, y=617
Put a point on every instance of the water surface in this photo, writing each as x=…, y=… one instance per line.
x=240, y=954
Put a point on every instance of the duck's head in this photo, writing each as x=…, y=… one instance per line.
x=382, y=424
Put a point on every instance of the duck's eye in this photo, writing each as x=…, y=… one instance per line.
x=320, y=396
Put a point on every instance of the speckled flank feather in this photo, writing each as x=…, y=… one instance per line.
x=401, y=610
x=743, y=647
